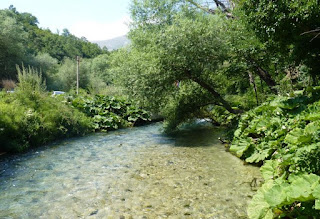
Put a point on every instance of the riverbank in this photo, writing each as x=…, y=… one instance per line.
x=283, y=135
x=31, y=118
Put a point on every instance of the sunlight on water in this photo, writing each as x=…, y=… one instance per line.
x=132, y=173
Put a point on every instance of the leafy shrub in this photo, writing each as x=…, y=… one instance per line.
x=283, y=135
x=31, y=117
x=30, y=80
x=24, y=123
x=110, y=113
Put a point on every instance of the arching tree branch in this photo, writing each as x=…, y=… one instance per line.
x=219, y=5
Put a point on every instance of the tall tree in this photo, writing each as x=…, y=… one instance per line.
x=288, y=27
x=12, y=39
x=165, y=60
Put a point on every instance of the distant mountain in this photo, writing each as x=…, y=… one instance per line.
x=113, y=44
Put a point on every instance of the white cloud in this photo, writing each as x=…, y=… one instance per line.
x=94, y=31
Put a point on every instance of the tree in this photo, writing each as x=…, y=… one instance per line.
x=283, y=25
x=248, y=52
x=100, y=68
x=194, y=50
x=251, y=51
x=12, y=51
x=47, y=66
x=189, y=52
x=66, y=77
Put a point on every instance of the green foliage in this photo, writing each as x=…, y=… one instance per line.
x=66, y=77
x=188, y=51
x=22, y=41
x=110, y=113
x=31, y=117
x=187, y=104
x=157, y=13
x=65, y=45
x=94, y=75
x=283, y=26
x=30, y=80
x=48, y=66
x=283, y=134
x=297, y=191
x=12, y=38
x=100, y=67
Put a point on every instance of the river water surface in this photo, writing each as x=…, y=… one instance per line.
x=130, y=173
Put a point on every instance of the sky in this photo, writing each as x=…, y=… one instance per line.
x=92, y=19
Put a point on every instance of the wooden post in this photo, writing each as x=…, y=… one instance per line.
x=78, y=63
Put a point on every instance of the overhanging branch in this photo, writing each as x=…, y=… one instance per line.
x=312, y=31
x=219, y=5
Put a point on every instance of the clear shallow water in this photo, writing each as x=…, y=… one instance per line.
x=131, y=173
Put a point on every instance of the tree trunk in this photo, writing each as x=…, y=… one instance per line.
x=265, y=76
x=209, y=88
x=252, y=81
x=261, y=84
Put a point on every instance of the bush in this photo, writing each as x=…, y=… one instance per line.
x=110, y=113
x=31, y=117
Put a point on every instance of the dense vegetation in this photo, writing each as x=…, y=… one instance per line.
x=110, y=113
x=253, y=64
x=283, y=134
x=31, y=116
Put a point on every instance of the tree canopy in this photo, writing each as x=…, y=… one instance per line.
x=220, y=48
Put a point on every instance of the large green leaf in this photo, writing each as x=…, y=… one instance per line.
x=314, y=116
x=259, y=208
x=269, y=169
x=297, y=137
x=241, y=146
x=301, y=187
x=276, y=195
x=259, y=155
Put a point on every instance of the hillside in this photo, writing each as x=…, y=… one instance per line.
x=115, y=43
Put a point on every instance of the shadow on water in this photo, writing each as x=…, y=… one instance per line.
x=198, y=134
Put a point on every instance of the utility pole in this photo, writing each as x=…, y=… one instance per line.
x=78, y=63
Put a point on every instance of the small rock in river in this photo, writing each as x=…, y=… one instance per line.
x=94, y=212
x=170, y=162
x=142, y=175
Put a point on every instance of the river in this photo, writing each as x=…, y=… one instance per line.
x=129, y=173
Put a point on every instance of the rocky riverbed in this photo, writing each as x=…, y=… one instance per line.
x=131, y=173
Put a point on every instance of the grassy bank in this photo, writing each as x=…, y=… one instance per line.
x=31, y=116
